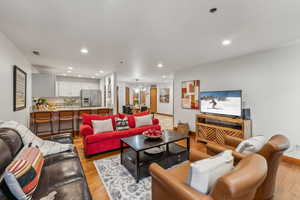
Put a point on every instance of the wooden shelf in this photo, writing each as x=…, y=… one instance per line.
x=213, y=128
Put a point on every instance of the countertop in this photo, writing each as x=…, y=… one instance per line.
x=73, y=108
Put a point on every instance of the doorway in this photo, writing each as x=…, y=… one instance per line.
x=153, y=100
x=127, y=96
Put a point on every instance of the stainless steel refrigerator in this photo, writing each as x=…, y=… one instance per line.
x=90, y=98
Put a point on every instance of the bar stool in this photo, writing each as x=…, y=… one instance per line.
x=64, y=116
x=103, y=112
x=42, y=117
x=79, y=117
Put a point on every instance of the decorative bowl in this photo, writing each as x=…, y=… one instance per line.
x=153, y=134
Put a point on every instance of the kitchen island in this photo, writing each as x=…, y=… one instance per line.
x=45, y=128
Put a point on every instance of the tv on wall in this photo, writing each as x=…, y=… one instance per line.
x=222, y=102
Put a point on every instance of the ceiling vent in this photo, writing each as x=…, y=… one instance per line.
x=35, y=52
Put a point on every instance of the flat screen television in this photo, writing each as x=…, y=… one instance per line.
x=222, y=102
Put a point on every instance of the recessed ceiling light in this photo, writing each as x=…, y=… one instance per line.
x=101, y=71
x=69, y=71
x=93, y=76
x=160, y=65
x=79, y=75
x=164, y=76
x=70, y=68
x=84, y=50
x=226, y=42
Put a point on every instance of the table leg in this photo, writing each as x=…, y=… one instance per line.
x=121, y=144
x=188, y=147
x=137, y=166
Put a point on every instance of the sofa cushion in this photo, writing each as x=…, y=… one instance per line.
x=54, y=158
x=141, y=113
x=101, y=136
x=87, y=119
x=76, y=189
x=62, y=172
x=118, y=134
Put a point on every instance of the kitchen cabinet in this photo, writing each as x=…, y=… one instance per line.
x=70, y=87
x=43, y=85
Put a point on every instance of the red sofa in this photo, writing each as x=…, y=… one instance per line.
x=101, y=142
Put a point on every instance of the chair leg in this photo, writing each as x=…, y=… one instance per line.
x=58, y=126
x=73, y=128
x=36, y=129
x=51, y=124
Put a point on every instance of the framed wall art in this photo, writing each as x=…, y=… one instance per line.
x=190, y=94
x=20, y=85
x=164, y=95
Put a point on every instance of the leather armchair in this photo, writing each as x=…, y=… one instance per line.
x=241, y=183
x=271, y=151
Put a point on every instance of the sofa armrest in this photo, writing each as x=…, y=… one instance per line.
x=232, y=141
x=196, y=155
x=214, y=149
x=155, y=121
x=86, y=130
x=170, y=187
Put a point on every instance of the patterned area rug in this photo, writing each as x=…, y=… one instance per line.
x=119, y=183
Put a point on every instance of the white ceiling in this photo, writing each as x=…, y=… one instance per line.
x=178, y=33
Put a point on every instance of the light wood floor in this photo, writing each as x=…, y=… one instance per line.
x=288, y=179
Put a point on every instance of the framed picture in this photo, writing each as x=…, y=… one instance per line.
x=190, y=94
x=164, y=95
x=20, y=85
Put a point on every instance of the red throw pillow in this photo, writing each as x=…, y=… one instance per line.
x=131, y=121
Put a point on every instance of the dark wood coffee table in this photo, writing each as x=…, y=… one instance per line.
x=137, y=161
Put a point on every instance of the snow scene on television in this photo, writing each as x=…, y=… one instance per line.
x=221, y=102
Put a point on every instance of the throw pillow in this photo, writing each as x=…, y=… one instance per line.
x=143, y=120
x=203, y=174
x=23, y=174
x=101, y=126
x=121, y=124
x=251, y=145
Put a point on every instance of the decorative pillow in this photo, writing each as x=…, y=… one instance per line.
x=251, y=145
x=203, y=174
x=88, y=118
x=101, y=126
x=143, y=121
x=23, y=174
x=121, y=124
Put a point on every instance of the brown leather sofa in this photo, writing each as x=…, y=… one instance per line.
x=61, y=172
x=240, y=184
x=272, y=152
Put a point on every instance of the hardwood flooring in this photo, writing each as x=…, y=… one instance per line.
x=287, y=187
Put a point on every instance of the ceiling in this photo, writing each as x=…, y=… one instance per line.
x=142, y=33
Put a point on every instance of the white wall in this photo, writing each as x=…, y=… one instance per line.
x=165, y=108
x=9, y=56
x=271, y=88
